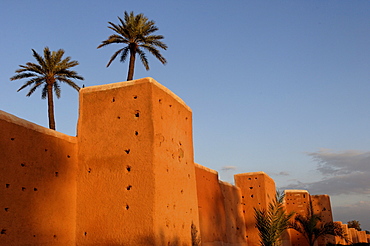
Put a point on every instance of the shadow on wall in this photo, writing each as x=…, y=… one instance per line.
x=175, y=241
x=235, y=223
x=37, y=173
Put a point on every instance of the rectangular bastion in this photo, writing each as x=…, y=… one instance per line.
x=136, y=178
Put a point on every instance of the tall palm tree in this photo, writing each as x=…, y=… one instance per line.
x=311, y=227
x=272, y=223
x=50, y=70
x=135, y=31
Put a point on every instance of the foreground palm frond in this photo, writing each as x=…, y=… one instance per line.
x=272, y=223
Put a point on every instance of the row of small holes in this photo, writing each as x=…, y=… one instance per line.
x=23, y=188
x=114, y=99
x=128, y=168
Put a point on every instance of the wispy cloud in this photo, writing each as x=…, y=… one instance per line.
x=345, y=172
x=282, y=173
x=227, y=168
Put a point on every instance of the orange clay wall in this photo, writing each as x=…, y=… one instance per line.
x=362, y=238
x=37, y=184
x=136, y=172
x=321, y=206
x=353, y=235
x=358, y=236
x=128, y=178
x=220, y=211
x=235, y=223
x=212, y=214
x=297, y=201
x=257, y=190
x=176, y=205
x=339, y=240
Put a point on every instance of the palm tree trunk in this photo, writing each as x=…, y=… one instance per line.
x=131, y=67
x=51, y=107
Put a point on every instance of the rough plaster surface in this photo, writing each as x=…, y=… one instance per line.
x=38, y=184
x=211, y=206
x=257, y=190
x=339, y=240
x=220, y=210
x=235, y=222
x=297, y=201
x=321, y=206
x=136, y=181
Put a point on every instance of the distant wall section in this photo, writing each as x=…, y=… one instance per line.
x=220, y=211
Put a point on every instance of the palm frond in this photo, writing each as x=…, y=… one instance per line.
x=32, y=90
x=115, y=55
x=154, y=52
x=30, y=82
x=272, y=222
x=124, y=54
x=143, y=58
x=44, y=91
x=39, y=59
x=23, y=75
x=30, y=67
x=113, y=39
x=70, y=83
x=56, y=89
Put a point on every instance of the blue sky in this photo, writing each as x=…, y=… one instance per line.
x=276, y=86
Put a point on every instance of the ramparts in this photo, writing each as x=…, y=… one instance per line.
x=128, y=178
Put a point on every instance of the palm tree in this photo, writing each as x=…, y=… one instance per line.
x=135, y=31
x=50, y=70
x=311, y=227
x=272, y=223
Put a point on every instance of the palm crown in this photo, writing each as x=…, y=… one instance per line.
x=50, y=70
x=136, y=32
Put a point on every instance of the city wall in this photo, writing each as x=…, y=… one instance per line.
x=38, y=184
x=127, y=178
